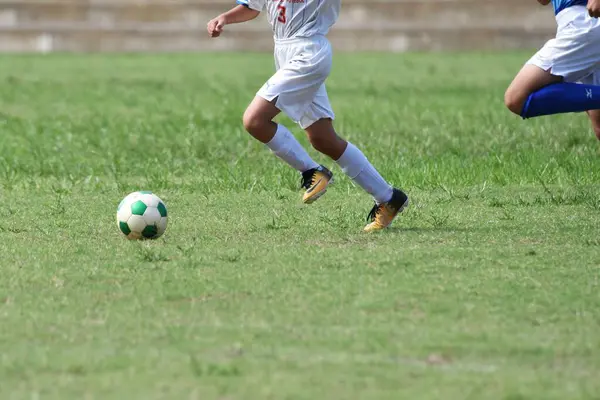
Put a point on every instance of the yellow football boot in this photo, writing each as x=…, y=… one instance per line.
x=382, y=215
x=315, y=181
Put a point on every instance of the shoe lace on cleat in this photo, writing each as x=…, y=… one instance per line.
x=375, y=211
x=307, y=179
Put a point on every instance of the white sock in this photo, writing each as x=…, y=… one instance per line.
x=286, y=147
x=354, y=164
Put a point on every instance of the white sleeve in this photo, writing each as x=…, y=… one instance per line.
x=257, y=5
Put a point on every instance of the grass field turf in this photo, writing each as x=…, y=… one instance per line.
x=486, y=288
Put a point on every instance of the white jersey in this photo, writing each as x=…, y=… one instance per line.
x=298, y=18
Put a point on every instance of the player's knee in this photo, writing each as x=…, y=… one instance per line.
x=320, y=143
x=514, y=102
x=253, y=123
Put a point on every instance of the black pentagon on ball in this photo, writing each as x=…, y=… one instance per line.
x=162, y=209
x=124, y=228
x=150, y=231
x=138, y=208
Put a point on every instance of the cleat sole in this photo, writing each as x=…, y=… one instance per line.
x=314, y=197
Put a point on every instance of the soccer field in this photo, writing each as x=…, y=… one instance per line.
x=486, y=288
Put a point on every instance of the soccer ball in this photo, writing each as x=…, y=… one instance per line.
x=142, y=215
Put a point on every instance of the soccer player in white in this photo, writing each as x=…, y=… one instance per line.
x=303, y=58
x=564, y=76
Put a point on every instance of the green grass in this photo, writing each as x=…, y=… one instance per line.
x=487, y=288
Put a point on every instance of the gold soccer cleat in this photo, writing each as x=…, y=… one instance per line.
x=382, y=215
x=315, y=181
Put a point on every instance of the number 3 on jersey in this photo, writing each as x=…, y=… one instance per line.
x=282, y=9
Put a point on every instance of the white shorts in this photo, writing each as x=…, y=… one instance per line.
x=303, y=65
x=575, y=52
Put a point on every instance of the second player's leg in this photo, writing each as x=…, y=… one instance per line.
x=530, y=79
x=594, y=115
x=595, y=120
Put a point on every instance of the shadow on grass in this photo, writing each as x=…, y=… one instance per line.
x=431, y=229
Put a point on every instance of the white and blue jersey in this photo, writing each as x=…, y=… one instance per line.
x=560, y=5
x=297, y=18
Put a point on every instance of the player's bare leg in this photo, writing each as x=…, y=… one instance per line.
x=389, y=202
x=324, y=139
x=258, y=121
x=530, y=79
x=536, y=92
x=595, y=119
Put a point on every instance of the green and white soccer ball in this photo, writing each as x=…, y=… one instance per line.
x=142, y=215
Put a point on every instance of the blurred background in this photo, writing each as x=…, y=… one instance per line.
x=178, y=25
